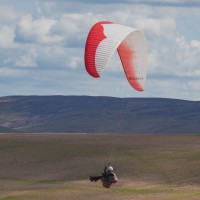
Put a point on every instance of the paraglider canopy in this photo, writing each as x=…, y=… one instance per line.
x=105, y=38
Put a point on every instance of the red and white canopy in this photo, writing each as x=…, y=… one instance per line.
x=105, y=38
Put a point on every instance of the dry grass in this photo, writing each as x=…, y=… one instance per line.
x=84, y=190
x=57, y=166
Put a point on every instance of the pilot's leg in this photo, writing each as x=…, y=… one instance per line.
x=95, y=178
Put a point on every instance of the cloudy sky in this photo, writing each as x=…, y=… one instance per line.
x=42, y=47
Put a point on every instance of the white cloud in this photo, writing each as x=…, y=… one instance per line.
x=195, y=44
x=56, y=57
x=157, y=27
x=7, y=13
x=190, y=55
x=50, y=38
x=170, y=54
x=28, y=59
x=75, y=62
x=73, y=28
x=67, y=25
x=10, y=72
x=172, y=88
x=6, y=37
x=31, y=30
x=66, y=30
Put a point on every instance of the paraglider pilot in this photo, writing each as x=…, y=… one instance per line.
x=108, y=177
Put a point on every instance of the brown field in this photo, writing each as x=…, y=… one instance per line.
x=57, y=166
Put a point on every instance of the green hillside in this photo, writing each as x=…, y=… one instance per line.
x=57, y=166
x=86, y=114
x=158, y=159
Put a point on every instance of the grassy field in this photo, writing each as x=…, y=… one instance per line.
x=57, y=166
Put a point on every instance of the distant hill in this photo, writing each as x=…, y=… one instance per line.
x=85, y=114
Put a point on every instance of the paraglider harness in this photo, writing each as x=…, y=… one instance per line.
x=108, y=177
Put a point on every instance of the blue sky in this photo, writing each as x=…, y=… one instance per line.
x=42, y=47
